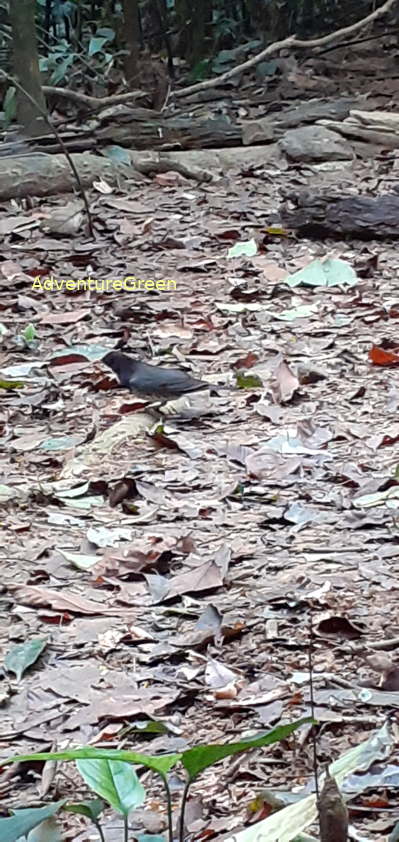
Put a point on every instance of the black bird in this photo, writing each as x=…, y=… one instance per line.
x=152, y=381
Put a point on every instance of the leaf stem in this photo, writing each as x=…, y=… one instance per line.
x=168, y=806
x=125, y=829
x=100, y=831
x=183, y=809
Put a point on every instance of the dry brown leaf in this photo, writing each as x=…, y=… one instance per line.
x=333, y=813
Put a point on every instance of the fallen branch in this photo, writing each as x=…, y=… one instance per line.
x=93, y=102
x=291, y=41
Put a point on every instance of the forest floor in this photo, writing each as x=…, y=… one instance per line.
x=180, y=575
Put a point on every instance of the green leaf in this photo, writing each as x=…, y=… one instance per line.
x=20, y=657
x=61, y=69
x=11, y=384
x=331, y=272
x=106, y=32
x=90, y=809
x=248, y=248
x=115, y=781
x=162, y=764
x=23, y=821
x=196, y=759
x=96, y=45
x=248, y=381
x=30, y=333
x=47, y=831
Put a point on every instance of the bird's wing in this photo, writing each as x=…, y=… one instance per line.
x=170, y=380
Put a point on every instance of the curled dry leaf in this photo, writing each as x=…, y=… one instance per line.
x=333, y=813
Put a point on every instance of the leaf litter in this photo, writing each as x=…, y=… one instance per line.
x=168, y=564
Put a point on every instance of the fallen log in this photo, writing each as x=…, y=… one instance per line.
x=39, y=174
x=326, y=214
x=143, y=129
x=46, y=175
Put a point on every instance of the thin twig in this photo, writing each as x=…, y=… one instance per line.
x=312, y=704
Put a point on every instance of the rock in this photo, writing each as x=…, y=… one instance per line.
x=257, y=131
x=315, y=143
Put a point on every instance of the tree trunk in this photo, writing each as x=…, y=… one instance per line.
x=26, y=67
x=132, y=37
x=194, y=18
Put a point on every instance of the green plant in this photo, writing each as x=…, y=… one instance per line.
x=108, y=772
x=28, y=339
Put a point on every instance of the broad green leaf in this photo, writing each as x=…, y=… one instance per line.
x=248, y=381
x=23, y=821
x=162, y=764
x=106, y=32
x=115, y=781
x=331, y=272
x=61, y=69
x=248, y=248
x=11, y=384
x=96, y=45
x=47, y=831
x=29, y=333
x=196, y=759
x=90, y=809
x=20, y=657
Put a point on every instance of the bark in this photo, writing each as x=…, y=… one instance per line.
x=26, y=67
x=147, y=130
x=325, y=214
x=132, y=37
x=47, y=175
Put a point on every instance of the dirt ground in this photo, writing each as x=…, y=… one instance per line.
x=179, y=570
